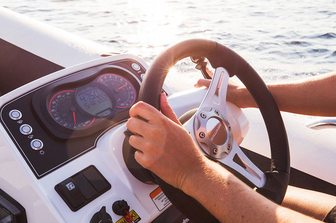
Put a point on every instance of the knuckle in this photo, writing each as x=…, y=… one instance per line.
x=135, y=108
x=140, y=105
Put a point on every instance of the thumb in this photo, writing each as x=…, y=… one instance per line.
x=203, y=83
x=167, y=110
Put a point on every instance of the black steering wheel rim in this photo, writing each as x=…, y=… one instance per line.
x=220, y=56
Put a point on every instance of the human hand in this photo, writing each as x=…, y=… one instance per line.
x=167, y=110
x=163, y=145
x=236, y=93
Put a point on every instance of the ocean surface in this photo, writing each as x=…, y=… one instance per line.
x=281, y=39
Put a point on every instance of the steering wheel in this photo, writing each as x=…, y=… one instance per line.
x=273, y=183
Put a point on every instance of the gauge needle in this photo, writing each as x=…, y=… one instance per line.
x=121, y=87
x=74, y=117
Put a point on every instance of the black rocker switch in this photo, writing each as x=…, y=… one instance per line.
x=120, y=207
x=69, y=191
x=101, y=217
x=82, y=187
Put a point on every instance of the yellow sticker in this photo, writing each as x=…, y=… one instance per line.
x=132, y=217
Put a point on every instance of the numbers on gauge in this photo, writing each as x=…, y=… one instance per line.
x=123, y=90
x=63, y=111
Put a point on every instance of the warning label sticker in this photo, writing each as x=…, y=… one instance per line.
x=131, y=217
x=159, y=198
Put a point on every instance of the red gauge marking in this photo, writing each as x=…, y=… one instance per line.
x=55, y=95
x=121, y=87
x=74, y=117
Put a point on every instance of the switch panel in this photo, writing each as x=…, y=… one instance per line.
x=82, y=188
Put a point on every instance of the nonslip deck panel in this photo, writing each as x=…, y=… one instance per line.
x=19, y=67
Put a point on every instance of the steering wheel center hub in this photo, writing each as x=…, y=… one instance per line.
x=213, y=133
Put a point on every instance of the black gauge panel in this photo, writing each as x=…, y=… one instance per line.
x=79, y=107
x=56, y=123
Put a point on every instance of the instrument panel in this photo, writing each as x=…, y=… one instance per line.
x=63, y=119
x=78, y=107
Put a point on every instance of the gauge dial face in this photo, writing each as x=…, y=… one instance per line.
x=63, y=111
x=123, y=90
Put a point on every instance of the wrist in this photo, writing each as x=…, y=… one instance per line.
x=192, y=175
x=199, y=178
x=241, y=97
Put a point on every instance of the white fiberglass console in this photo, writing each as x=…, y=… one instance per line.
x=61, y=147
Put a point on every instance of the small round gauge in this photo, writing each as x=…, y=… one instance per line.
x=94, y=101
x=63, y=111
x=123, y=90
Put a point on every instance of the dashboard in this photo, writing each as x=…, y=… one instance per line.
x=65, y=138
x=63, y=119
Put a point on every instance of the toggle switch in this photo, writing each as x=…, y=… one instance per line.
x=101, y=217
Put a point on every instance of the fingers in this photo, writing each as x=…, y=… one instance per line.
x=167, y=110
x=203, y=83
x=137, y=142
x=139, y=157
x=138, y=126
x=142, y=150
x=144, y=111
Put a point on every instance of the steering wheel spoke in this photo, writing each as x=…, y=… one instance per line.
x=238, y=161
x=216, y=95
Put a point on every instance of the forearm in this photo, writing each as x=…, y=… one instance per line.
x=312, y=96
x=309, y=202
x=233, y=201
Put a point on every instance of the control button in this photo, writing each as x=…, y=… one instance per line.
x=85, y=187
x=101, y=217
x=15, y=114
x=120, y=207
x=70, y=193
x=26, y=129
x=96, y=179
x=36, y=144
x=135, y=66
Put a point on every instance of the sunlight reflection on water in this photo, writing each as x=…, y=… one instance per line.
x=281, y=39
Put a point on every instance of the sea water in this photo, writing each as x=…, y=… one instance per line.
x=281, y=39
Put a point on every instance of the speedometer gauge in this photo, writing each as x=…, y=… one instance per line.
x=123, y=90
x=63, y=111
